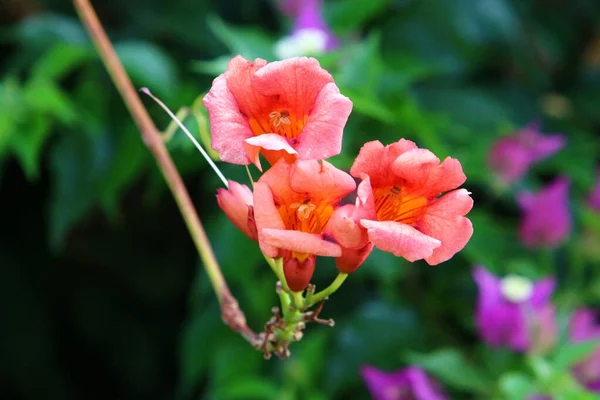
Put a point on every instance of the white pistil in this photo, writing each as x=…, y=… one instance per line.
x=516, y=288
x=189, y=135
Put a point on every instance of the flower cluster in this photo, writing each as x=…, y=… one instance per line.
x=517, y=313
x=292, y=114
x=511, y=312
x=546, y=218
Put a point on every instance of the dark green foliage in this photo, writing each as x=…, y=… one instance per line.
x=102, y=292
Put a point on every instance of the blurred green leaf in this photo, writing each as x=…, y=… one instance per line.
x=370, y=107
x=590, y=218
x=305, y=368
x=348, y=15
x=515, y=386
x=197, y=337
x=450, y=366
x=29, y=113
x=239, y=265
x=44, y=96
x=128, y=160
x=225, y=370
x=569, y=354
x=46, y=29
x=474, y=107
x=77, y=163
x=583, y=172
x=485, y=21
x=491, y=240
x=249, y=387
x=149, y=65
x=385, y=267
x=249, y=43
x=367, y=336
x=28, y=143
x=362, y=67
x=11, y=102
x=213, y=67
x=60, y=60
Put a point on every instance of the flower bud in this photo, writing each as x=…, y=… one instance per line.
x=237, y=203
x=298, y=274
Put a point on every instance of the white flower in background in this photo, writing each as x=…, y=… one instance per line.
x=311, y=35
x=304, y=42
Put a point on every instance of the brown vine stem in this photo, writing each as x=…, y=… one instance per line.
x=230, y=311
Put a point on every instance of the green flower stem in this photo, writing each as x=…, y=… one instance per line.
x=250, y=176
x=285, y=301
x=276, y=265
x=292, y=319
x=310, y=292
x=298, y=300
x=320, y=296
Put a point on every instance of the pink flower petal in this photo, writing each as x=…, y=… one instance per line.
x=240, y=81
x=400, y=239
x=267, y=141
x=297, y=81
x=321, y=180
x=266, y=216
x=444, y=220
x=247, y=100
x=344, y=225
x=322, y=135
x=236, y=202
x=278, y=179
x=375, y=160
x=346, y=230
x=299, y=242
x=226, y=119
x=421, y=169
x=351, y=259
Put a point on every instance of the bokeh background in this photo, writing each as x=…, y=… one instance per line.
x=102, y=293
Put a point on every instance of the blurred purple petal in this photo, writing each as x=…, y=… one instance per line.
x=509, y=160
x=499, y=321
x=520, y=324
x=542, y=291
x=411, y=383
x=546, y=218
x=511, y=157
x=311, y=34
x=582, y=327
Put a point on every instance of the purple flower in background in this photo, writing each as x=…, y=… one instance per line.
x=411, y=383
x=546, y=218
x=594, y=196
x=514, y=311
x=583, y=327
x=511, y=156
x=311, y=35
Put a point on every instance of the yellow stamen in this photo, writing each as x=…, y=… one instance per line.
x=393, y=203
x=279, y=118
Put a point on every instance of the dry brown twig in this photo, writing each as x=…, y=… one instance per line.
x=230, y=311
